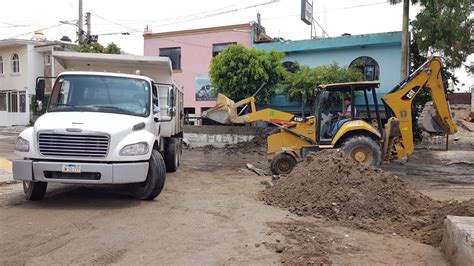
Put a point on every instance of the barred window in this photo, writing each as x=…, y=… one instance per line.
x=15, y=63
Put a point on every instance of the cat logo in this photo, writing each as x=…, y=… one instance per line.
x=410, y=94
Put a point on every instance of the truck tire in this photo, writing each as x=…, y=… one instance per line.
x=282, y=164
x=363, y=150
x=172, y=154
x=155, y=179
x=34, y=190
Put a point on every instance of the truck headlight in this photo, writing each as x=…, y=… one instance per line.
x=22, y=145
x=135, y=149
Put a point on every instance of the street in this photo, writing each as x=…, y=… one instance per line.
x=208, y=213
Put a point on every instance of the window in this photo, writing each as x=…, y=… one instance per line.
x=291, y=66
x=189, y=115
x=1, y=65
x=3, y=101
x=13, y=102
x=15, y=63
x=219, y=47
x=22, y=102
x=368, y=66
x=101, y=94
x=174, y=54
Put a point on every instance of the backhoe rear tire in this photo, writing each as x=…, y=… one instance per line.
x=282, y=164
x=363, y=150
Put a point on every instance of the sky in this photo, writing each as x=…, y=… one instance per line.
x=281, y=18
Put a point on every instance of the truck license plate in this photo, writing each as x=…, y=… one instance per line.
x=71, y=168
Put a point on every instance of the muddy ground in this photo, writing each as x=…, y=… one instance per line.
x=210, y=213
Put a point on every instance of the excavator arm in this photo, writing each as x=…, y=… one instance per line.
x=399, y=101
x=227, y=111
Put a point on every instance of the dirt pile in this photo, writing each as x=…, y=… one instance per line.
x=257, y=144
x=332, y=186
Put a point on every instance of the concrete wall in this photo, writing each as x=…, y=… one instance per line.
x=458, y=241
x=219, y=136
x=196, y=55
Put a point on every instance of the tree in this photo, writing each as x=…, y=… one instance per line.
x=306, y=79
x=444, y=28
x=95, y=47
x=238, y=72
x=112, y=48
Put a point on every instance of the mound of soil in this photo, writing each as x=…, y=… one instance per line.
x=330, y=185
x=257, y=144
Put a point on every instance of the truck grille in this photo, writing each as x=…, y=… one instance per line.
x=92, y=146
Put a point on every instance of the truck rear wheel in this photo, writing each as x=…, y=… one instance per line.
x=155, y=179
x=282, y=164
x=363, y=150
x=172, y=154
x=34, y=190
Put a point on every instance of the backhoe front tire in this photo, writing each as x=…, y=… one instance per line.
x=363, y=150
x=282, y=164
x=155, y=179
x=34, y=190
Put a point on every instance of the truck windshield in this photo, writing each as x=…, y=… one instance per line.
x=107, y=94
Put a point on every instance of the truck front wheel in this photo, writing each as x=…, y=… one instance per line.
x=155, y=179
x=34, y=190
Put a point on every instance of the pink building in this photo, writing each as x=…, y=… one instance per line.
x=191, y=52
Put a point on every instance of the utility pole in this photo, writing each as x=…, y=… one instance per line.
x=405, y=62
x=88, y=25
x=79, y=23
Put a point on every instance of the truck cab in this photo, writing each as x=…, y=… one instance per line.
x=101, y=128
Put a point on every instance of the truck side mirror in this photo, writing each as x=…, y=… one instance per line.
x=39, y=90
x=171, y=111
x=171, y=101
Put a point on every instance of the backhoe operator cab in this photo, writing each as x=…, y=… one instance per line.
x=335, y=100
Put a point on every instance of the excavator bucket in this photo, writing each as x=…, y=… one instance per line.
x=429, y=120
x=222, y=112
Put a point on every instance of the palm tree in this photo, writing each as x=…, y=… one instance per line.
x=405, y=36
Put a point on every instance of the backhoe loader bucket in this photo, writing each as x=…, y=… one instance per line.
x=222, y=112
x=429, y=120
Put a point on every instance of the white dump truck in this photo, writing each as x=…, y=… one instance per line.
x=111, y=119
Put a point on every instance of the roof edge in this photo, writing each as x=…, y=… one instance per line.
x=197, y=31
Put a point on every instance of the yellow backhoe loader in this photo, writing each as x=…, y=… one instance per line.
x=361, y=135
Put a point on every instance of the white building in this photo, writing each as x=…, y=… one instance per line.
x=21, y=61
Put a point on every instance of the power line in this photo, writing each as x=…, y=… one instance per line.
x=11, y=25
x=199, y=17
x=362, y=5
x=113, y=22
x=50, y=27
x=167, y=19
